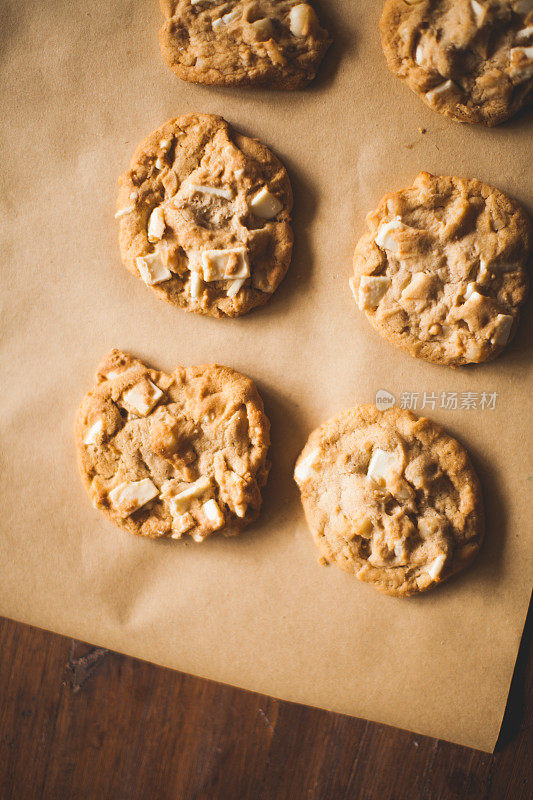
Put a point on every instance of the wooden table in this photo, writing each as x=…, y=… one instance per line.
x=80, y=722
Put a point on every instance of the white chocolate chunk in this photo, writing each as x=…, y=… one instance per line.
x=522, y=52
x=168, y=257
x=239, y=173
x=403, y=492
x=198, y=536
x=122, y=212
x=423, y=580
x=479, y=11
x=525, y=34
x=95, y=432
x=225, y=19
x=419, y=287
x=263, y=28
x=213, y=514
x=448, y=87
x=419, y=55
x=265, y=204
x=362, y=526
x=203, y=64
x=383, y=237
x=381, y=463
x=483, y=269
x=401, y=553
x=474, y=299
x=371, y=290
x=231, y=263
x=233, y=491
x=134, y=195
x=217, y=191
x=196, y=285
x=502, y=329
x=181, y=524
x=170, y=183
x=116, y=373
x=428, y=527
x=260, y=281
x=240, y=509
x=231, y=16
x=377, y=561
x=305, y=465
x=132, y=495
x=521, y=62
x=217, y=265
x=142, y=396
x=300, y=18
x=436, y=567
x=159, y=163
x=164, y=144
x=152, y=269
x=156, y=224
x=235, y=287
x=464, y=552
x=180, y=502
x=470, y=289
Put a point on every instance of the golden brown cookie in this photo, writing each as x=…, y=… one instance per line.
x=471, y=60
x=442, y=272
x=391, y=498
x=273, y=43
x=173, y=455
x=205, y=217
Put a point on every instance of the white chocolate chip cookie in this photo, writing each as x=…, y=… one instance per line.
x=175, y=455
x=274, y=43
x=471, y=60
x=442, y=272
x=391, y=498
x=205, y=217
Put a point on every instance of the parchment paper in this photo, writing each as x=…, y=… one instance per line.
x=81, y=85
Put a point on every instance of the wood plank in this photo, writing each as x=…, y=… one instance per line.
x=81, y=722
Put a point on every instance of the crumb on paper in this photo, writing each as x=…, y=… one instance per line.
x=422, y=130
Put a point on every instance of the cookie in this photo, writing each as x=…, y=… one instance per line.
x=273, y=43
x=471, y=60
x=442, y=272
x=391, y=498
x=205, y=217
x=173, y=455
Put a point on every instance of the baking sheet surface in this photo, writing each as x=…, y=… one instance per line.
x=81, y=86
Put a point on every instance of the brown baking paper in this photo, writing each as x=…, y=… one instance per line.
x=82, y=84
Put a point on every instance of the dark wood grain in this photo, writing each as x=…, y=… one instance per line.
x=82, y=722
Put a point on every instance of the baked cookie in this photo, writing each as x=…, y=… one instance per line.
x=391, y=498
x=471, y=60
x=175, y=455
x=442, y=272
x=205, y=217
x=274, y=43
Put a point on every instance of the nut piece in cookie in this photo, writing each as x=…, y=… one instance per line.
x=169, y=455
x=272, y=43
x=390, y=498
x=442, y=272
x=205, y=217
x=471, y=60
